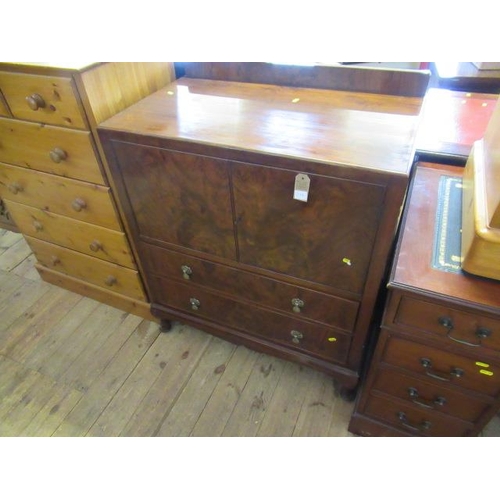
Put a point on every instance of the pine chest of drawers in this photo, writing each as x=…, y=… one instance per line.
x=436, y=366
x=53, y=175
x=207, y=173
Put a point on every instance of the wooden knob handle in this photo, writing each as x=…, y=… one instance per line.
x=35, y=101
x=55, y=260
x=15, y=187
x=37, y=225
x=57, y=155
x=95, y=246
x=78, y=204
x=110, y=280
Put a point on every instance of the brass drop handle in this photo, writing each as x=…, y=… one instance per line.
x=110, y=280
x=37, y=225
x=296, y=336
x=455, y=372
x=415, y=397
x=57, y=155
x=78, y=204
x=297, y=305
x=186, y=272
x=15, y=187
x=195, y=304
x=35, y=101
x=446, y=321
x=95, y=246
x=425, y=425
x=55, y=260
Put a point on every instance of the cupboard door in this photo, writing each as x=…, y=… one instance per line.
x=178, y=198
x=328, y=239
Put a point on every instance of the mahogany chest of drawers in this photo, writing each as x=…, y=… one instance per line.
x=53, y=175
x=436, y=366
x=265, y=214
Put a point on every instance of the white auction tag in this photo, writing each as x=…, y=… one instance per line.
x=301, y=188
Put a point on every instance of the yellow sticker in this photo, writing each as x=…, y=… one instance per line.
x=484, y=365
x=347, y=261
x=332, y=339
x=486, y=372
x=296, y=99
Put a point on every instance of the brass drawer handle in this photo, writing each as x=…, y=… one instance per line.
x=297, y=305
x=195, y=304
x=78, y=204
x=425, y=425
x=415, y=397
x=15, y=187
x=296, y=336
x=95, y=246
x=37, y=225
x=455, y=372
x=110, y=280
x=186, y=272
x=35, y=102
x=57, y=155
x=481, y=333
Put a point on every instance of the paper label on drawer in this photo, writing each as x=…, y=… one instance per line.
x=301, y=188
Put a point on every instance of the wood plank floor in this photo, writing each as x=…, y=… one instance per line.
x=70, y=366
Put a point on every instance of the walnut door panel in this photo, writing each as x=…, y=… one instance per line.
x=45, y=99
x=179, y=198
x=104, y=274
x=436, y=397
x=333, y=311
x=328, y=239
x=469, y=330
x=301, y=335
x=81, y=200
x=90, y=239
x=476, y=374
x=54, y=150
x=411, y=419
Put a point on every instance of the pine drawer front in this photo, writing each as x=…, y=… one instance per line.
x=293, y=333
x=432, y=396
x=469, y=330
x=89, y=239
x=4, y=111
x=476, y=374
x=81, y=200
x=104, y=274
x=308, y=304
x=44, y=99
x=414, y=420
x=54, y=150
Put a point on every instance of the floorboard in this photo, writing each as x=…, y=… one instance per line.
x=70, y=366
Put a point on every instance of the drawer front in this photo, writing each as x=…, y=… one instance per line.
x=89, y=239
x=470, y=330
x=80, y=200
x=4, y=110
x=434, y=397
x=104, y=274
x=304, y=336
x=55, y=150
x=334, y=311
x=44, y=99
x=414, y=420
x=445, y=367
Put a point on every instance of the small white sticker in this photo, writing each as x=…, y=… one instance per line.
x=301, y=188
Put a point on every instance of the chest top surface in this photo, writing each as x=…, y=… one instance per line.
x=413, y=270
x=368, y=131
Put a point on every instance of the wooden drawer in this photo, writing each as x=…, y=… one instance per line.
x=4, y=110
x=434, y=397
x=333, y=311
x=90, y=239
x=104, y=274
x=55, y=150
x=45, y=99
x=81, y=200
x=294, y=333
x=414, y=420
x=450, y=369
x=470, y=330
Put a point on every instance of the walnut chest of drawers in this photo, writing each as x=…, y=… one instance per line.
x=436, y=366
x=53, y=175
x=206, y=171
